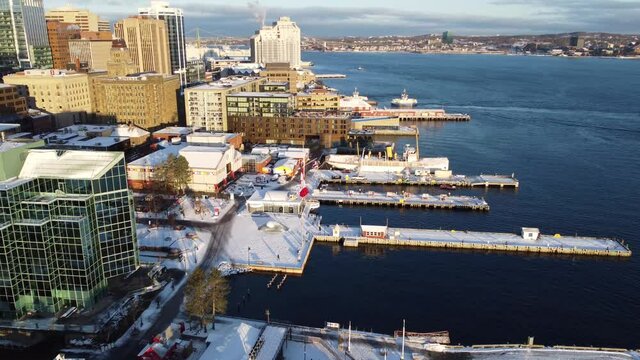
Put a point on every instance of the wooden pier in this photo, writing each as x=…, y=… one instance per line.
x=424, y=201
x=530, y=241
x=415, y=114
x=381, y=178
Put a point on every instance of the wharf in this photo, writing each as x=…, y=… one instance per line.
x=416, y=114
x=388, y=178
x=331, y=76
x=452, y=239
x=425, y=201
x=400, y=131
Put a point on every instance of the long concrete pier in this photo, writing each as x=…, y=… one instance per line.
x=415, y=114
x=383, y=178
x=530, y=241
x=426, y=201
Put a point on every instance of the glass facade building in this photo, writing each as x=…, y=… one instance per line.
x=66, y=226
x=23, y=35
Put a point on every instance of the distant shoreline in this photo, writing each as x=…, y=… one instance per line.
x=474, y=53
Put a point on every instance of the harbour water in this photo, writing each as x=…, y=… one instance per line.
x=568, y=128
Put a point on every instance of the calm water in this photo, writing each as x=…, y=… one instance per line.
x=569, y=129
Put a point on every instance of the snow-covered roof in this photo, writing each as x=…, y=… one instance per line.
x=6, y=127
x=225, y=83
x=158, y=157
x=10, y=145
x=175, y=130
x=233, y=339
x=203, y=157
x=273, y=337
x=69, y=164
x=377, y=228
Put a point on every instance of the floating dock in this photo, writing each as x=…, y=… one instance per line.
x=383, y=178
x=530, y=241
x=425, y=201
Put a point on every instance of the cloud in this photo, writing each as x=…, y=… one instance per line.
x=534, y=17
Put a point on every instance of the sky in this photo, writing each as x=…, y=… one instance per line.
x=332, y=18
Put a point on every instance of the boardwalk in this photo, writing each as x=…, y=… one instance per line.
x=552, y=244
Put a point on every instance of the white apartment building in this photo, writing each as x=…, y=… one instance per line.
x=278, y=43
x=206, y=105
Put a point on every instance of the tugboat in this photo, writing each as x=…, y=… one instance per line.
x=404, y=100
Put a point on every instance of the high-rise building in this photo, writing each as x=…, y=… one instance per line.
x=23, y=35
x=92, y=49
x=66, y=226
x=174, y=22
x=59, y=35
x=447, y=38
x=206, y=105
x=278, y=43
x=85, y=19
x=576, y=41
x=145, y=100
x=147, y=41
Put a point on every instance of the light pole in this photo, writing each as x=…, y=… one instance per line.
x=268, y=313
x=248, y=256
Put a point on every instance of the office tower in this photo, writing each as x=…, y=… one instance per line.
x=59, y=34
x=66, y=226
x=147, y=42
x=86, y=20
x=278, y=43
x=23, y=35
x=174, y=22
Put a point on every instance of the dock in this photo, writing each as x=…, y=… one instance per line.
x=416, y=114
x=424, y=201
x=331, y=76
x=408, y=131
x=384, y=178
x=530, y=241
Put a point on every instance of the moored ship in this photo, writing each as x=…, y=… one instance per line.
x=404, y=100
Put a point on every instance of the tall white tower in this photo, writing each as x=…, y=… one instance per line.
x=278, y=43
x=174, y=20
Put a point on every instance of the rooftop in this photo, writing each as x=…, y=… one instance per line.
x=69, y=164
x=175, y=130
x=225, y=83
x=261, y=94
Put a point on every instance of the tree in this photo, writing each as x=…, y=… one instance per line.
x=181, y=172
x=206, y=295
x=173, y=174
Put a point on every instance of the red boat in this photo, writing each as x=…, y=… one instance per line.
x=447, y=187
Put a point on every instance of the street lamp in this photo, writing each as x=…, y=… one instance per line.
x=248, y=256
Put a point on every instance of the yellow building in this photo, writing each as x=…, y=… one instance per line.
x=282, y=72
x=318, y=100
x=145, y=100
x=120, y=63
x=206, y=105
x=147, y=41
x=67, y=94
x=86, y=20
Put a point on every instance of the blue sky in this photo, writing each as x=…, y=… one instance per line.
x=389, y=17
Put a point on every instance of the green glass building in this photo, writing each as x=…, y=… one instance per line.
x=66, y=226
x=23, y=35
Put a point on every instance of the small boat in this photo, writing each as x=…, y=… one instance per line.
x=360, y=68
x=404, y=100
x=447, y=187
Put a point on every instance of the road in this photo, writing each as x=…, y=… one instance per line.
x=171, y=308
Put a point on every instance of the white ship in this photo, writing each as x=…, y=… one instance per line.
x=404, y=100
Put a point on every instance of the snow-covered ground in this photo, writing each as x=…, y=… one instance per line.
x=190, y=242
x=269, y=240
x=188, y=208
x=312, y=350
